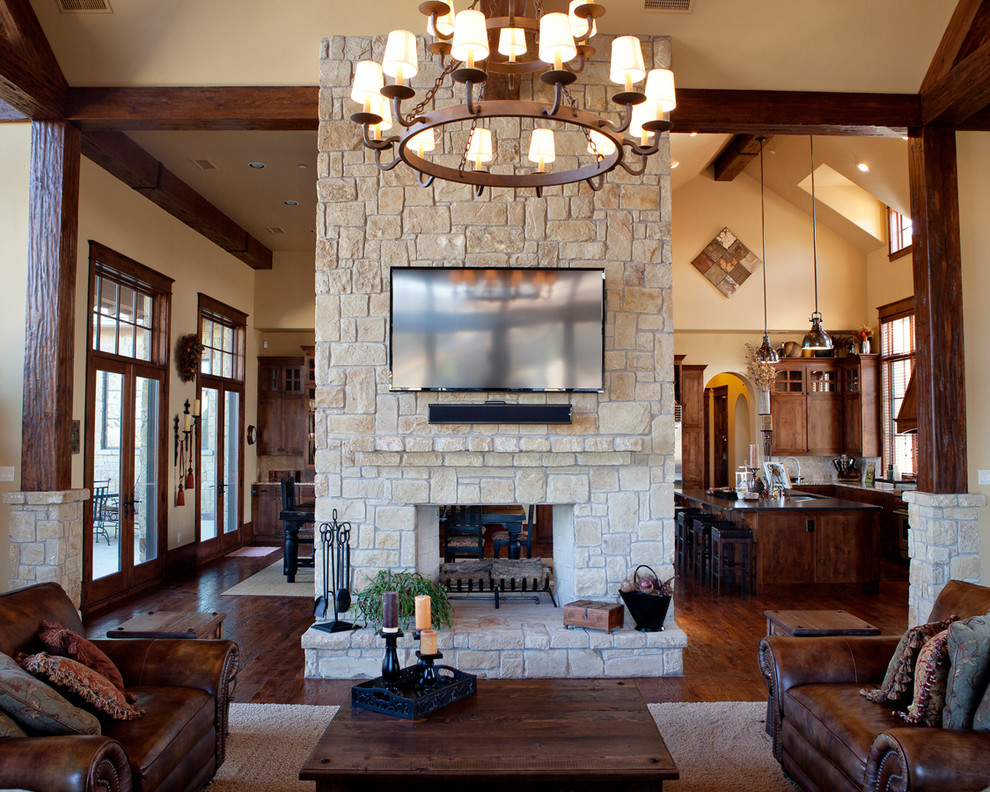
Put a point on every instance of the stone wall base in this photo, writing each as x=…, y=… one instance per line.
x=943, y=543
x=46, y=535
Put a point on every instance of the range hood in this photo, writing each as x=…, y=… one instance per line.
x=907, y=417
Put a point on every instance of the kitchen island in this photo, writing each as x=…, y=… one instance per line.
x=802, y=539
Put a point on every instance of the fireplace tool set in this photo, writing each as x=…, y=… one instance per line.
x=335, y=542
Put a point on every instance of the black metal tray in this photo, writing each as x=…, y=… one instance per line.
x=406, y=699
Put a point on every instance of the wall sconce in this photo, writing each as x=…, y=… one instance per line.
x=183, y=445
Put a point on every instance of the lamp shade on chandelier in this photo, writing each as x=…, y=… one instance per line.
x=514, y=38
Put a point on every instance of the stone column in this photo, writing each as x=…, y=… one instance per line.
x=943, y=543
x=46, y=533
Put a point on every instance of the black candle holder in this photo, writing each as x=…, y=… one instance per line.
x=427, y=671
x=390, y=663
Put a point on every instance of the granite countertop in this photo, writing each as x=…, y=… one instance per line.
x=796, y=501
x=880, y=485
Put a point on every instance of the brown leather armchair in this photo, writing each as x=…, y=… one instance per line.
x=184, y=686
x=827, y=736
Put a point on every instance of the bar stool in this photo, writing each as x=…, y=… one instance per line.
x=701, y=545
x=731, y=557
x=682, y=536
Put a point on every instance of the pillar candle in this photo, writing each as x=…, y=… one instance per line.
x=423, y=616
x=428, y=642
x=187, y=423
x=390, y=611
x=196, y=407
x=752, y=455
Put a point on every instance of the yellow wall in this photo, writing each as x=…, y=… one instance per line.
x=114, y=215
x=886, y=282
x=286, y=293
x=739, y=424
x=15, y=148
x=974, y=204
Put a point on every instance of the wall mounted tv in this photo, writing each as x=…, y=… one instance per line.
x=504, y=329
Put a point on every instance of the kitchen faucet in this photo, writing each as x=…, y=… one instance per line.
x=797, y=464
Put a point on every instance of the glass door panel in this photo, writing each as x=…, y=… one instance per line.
x=108, y=473
x=143, y=507
x=230, y=492
x=210, y=474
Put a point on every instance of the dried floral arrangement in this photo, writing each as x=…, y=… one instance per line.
x=189, y=356
x=863, y=333
x=760, y=371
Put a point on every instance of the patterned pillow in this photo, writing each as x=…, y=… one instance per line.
x=981, y=719
x=38, y=708
x=930, y=678
x=969, y=656
x=63, y=642
x=9, y=727
x=82, y=681
x=899, y=679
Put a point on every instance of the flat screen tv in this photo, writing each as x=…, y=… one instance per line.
x=504, y=329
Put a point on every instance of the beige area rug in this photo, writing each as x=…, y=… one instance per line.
x=717, y=746
x=252, y=552
x=720, y=745
x=270, y=582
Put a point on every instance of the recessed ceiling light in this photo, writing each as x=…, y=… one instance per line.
x=258, y=165
x=863, y=167
x=693, y=134
x=291, y=203
x=674, y=164
x=302, y=165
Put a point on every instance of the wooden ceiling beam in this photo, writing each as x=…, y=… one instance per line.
x=953, y=40
x=125, y=159
x=736, y=155
x=795, y=113
x=958, y=95
x=8, y=113
x=284, y=108
x=30, y=79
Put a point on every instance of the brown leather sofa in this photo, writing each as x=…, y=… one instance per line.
x=184, y=686
x=827, y=737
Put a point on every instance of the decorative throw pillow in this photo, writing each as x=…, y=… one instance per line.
x=82, y=681
x=930, y=678
x=969, y=674
x=63, y=642
x=9, y=727
x=981, y=719
x=899, y=679
x=38, y=708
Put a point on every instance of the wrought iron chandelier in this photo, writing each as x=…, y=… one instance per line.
x=512, y=38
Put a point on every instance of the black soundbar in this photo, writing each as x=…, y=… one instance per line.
x=491, y=412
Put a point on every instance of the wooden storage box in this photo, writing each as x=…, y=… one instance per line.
x=605, y=616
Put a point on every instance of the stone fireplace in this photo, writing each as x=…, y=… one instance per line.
x=380, y=463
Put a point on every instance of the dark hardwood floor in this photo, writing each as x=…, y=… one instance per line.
x=719, y=662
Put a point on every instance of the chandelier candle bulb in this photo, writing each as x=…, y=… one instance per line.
x=541, y=148
x=400, y=56
x=556, y=42
x=603, y=145
x=424, y=616
x=470, y=43
x=581, y=29
x=428, y=642
x=390, y=611
x=512, y=43
x=444, y=26
x=627, y=61
x=368, y=81
x=423, y=142
x=480, y=147
x=660, y=91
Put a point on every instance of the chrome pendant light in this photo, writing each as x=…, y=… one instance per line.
x=816, y=339
x=766, y=352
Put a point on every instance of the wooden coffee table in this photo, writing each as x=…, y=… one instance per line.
x=171, y=624
x=810, y=623
x=515, y=735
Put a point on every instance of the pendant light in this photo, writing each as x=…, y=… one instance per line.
x=766, y=352
x=817, y=338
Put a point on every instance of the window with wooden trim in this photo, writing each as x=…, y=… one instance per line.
x=222, y=331
x=899, y=228
x=897, y=358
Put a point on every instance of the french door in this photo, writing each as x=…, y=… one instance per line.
x=220, y=465
x=125, y=450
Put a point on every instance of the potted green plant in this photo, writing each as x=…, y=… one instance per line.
x=408, y=584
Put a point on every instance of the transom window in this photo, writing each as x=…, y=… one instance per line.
x=899, y=228
x=123, y=318
x=222, y=336
x=897, y=353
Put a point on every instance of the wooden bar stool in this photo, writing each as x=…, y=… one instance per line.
x=682, y=537
x=731, y=557
x=701, y=545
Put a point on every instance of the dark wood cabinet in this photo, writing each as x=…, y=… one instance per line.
x=690, y=387
x=283, y=407
x=825, y=406
x=266, y=502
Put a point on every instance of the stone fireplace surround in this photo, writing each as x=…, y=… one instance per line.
x=384, y=468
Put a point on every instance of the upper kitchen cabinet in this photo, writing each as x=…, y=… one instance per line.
x=283, y=406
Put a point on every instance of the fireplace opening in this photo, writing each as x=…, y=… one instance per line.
x=495, y=531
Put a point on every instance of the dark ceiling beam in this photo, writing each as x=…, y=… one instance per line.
x=795, y=113
x=30, y=79
x=230, y=108
x=736, y=155
x=957, y=84
x=125, y=159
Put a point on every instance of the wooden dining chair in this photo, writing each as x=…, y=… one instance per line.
x=500, y=539
x=463, y=533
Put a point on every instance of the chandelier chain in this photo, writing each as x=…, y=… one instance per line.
x=437, y=85
x=592, y=146
x=474, y=124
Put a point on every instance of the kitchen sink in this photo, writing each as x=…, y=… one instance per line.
x=798, y=498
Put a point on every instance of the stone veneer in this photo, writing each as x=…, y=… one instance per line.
x=379, y=463
x=943, y=543
x=46, y=534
